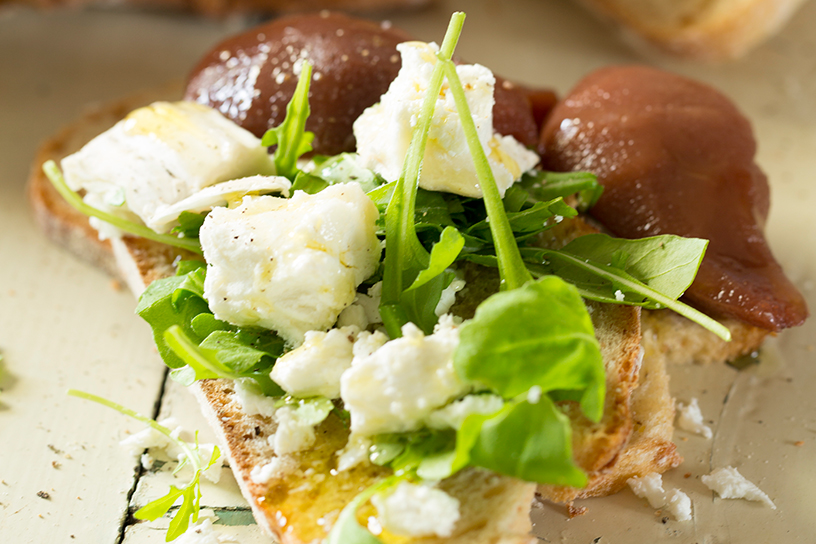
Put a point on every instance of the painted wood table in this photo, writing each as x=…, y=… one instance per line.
x=63, y=476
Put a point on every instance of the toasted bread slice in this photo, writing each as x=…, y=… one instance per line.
x=634, y=436
x=709, y=30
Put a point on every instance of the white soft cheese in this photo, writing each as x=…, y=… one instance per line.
x=728, y=483
x=160, y=155
x=253, y=401
x=452, y=415
x=290, y=265
x=293, y=434
x=355, y=452
x=277, y=468
x=417, y=510
x=690, y=418
x=203, y=532
x=448, y=297
x=650, y=487
x=314, y=368
x=149, y=438
x=396, y=386
x=383, y=131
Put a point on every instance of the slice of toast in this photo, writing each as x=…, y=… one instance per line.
x=709, y=30
x=633, y=438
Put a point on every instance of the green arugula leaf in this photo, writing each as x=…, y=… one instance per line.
x=532, y=442
x=537, y=335
x=291, y=136
x=189, y=224
x=650, y=272
x=405, y=256
x=511, y=267
x=54, y=175
x=190, y=493
x=157, y=307
x=443, y=254
x=544, y=186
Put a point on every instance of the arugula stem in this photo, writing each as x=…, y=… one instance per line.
x=299, y=109
x=189, y=352
x=191, y=455
x=403, y=249
x=53, y=173
x=513, y=272
x=683, y=309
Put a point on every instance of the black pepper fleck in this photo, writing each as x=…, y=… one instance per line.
x=44, y=495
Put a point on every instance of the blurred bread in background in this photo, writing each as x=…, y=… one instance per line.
x=707, y=30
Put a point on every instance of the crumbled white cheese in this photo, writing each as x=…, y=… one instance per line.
x=202, y=532
x=354, y=453
x=650, y=487
x=278, y=467
x=728, y=483
x=452, y=415
x=293, y=434
x=314, y=368
x=159, y=155
x=383, y=131
x=290, y=265
x=368, y=342
x=534, y=394
x=252, y=401
x=149, y=437
x=619, y=296
x=396, y=387
x=448, y=298
x=690, y=418
x=417, y=510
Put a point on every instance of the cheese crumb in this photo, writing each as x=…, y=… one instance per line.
x=202, y=532
x=253, y=402
x=417, y=510
x=650, y=487
x=314, y=368
x=728, y=483
x=274, y=469
x=690, y=418
x=453, y=415
x=384, y=130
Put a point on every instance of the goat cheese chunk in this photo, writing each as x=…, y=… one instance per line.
x=290, y=265
x=650, y=487
x=417, y=510
x=314, y=368
x=454, y=414
x=393, y=388
x=728, y=483
x=160, y=155
x=383, y=131
x=690, y=418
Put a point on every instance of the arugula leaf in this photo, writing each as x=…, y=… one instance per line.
x=543, y=185
x=528, y=220
x=532, y=442
x=189, y=224
x=537, y=335
x=650, y=272
x=291, y=136
x=54, y=175
x=195, y=344
x=190, y=493
x=404, y=255
x=511, y=268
